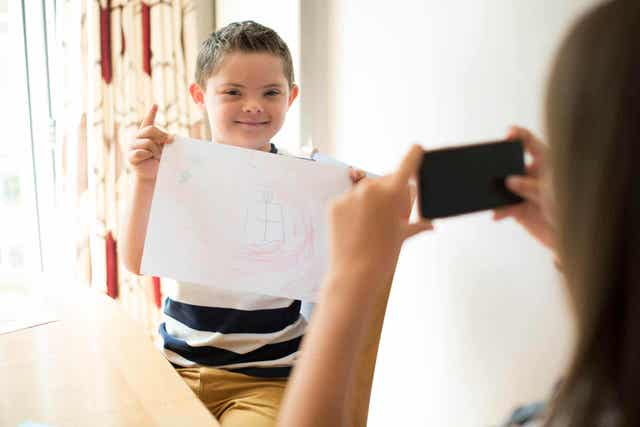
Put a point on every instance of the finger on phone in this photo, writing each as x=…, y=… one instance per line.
x=531, y=143
x=533, y=169
x=535, y=147
x=409, y=165
x=502, y=213
x=417, y=227
x=523, y=133
x=526, y=187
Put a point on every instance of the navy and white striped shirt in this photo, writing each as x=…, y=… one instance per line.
x=253, y=334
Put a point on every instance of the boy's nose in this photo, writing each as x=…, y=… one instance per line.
x=252, y=107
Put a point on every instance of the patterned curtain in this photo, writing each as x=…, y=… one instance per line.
x=119, y=57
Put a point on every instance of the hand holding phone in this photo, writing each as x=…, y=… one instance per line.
x=535, y=214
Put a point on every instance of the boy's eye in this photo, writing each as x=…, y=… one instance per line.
x=232, y=92
x=272, y=92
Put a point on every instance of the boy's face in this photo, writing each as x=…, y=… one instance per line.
x=246, y=99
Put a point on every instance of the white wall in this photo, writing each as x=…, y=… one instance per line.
x=476, y=322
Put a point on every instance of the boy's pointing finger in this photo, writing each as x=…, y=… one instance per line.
x=150, y=117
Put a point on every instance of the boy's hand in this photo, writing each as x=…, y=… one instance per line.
x=356, y=175
x=535, y=213
x=145, y=150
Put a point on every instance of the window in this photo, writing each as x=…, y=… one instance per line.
x=27, y=161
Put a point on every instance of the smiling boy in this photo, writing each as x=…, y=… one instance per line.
x=235, y=350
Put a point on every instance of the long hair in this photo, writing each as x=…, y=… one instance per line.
x=593, y=127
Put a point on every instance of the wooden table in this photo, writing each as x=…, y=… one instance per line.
x=93, y=367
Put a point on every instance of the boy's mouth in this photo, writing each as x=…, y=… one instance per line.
x=251, y=122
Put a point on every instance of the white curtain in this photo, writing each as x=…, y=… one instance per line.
x=117, y=58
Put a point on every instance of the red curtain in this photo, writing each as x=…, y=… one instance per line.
x=112, y=266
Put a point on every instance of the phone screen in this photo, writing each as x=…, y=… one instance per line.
x=459, y=180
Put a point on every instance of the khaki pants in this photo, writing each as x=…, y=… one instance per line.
x=236, y=399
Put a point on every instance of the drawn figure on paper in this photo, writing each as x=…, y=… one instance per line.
x=265, y=220
x=278, y=233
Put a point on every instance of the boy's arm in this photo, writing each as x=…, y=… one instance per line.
x=135, y=230
x=144, y=158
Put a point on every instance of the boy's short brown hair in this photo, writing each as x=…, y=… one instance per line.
x=246, y=36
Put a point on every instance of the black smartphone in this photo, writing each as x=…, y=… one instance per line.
x=470, y=178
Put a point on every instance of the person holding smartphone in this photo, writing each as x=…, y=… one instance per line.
x=582, y=200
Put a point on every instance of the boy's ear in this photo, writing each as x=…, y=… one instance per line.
x=294, y=94
x=197, y=95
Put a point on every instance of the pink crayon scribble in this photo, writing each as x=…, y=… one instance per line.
x=279, y=256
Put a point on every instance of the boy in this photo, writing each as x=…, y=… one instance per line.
x=235, y=350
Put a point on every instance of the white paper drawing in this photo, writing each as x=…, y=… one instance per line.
x=240, y=219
